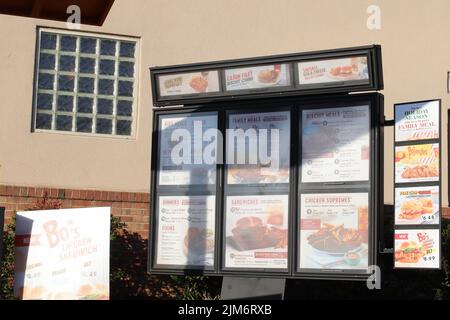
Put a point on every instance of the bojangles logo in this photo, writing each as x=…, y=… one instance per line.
x=414, y=152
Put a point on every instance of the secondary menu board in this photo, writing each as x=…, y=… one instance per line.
x=186, y=230
x=417, y=152
x=417, y=248
x=258, y=77
x=336, y=144
x=188, y=83
x=327, y=71
x=182, y=149
x=254, y=137
x=334, y=229
x=256, y=231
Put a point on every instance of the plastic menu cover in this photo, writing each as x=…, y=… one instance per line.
x=181, y=135
x=256, y=231
x=417, y=163
x=336, y=144
x=417, y=205
x=334, y=231
x=417, y=121
x=188, y=83
x=186, y=230
x=333, y=70
x=417, y=248
x=250, y=143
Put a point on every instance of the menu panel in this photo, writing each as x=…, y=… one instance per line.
x=334, y=231
x=417, y=163
x=263, y=139
x=189, y=83
x=417, y=205
x=417, y=248
x=184, y=155
x=256, y=232
x=333, y=70
x=336, y=144
x=186, y=230
x=258, y=77
x=417, y=121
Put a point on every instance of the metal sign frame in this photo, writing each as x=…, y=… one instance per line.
x=295, y=105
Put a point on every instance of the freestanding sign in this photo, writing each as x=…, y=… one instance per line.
x=2, y=222
x=62, y=254
x=417, y=185
x=267, y=176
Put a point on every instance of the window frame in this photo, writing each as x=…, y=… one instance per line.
x=114, y=117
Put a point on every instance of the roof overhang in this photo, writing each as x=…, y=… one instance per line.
x=93, y=12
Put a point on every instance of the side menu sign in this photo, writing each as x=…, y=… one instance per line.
x=417, y=185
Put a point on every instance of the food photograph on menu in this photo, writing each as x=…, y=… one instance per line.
x=173, y=169
x=256, y=234
x=333, y=70
x=185, y=230
x=268, y=76
x=334, y=231
x=251, y=125
x=417, y=248
x=417, y=205
x=417, y=121
x=417, y=163
x=189, y=83
x=336, y=144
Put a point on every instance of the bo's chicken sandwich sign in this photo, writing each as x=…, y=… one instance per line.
x=62, y=254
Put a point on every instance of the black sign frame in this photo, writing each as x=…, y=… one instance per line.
x=373, y=54
x=2, y=222
x=295, y=105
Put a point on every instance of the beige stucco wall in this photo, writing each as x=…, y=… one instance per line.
x=415, y=38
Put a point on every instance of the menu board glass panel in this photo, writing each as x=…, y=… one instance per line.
x=417, y=248
x=334, y=231
x=258, y=77
x=339, y=70
x=417, y=163
x=258, y=147
x=417, y=205
x=256, y=231
x=186, y=149
x=189, y=83
x=336, y=144
x=186, y=230
x=417, y=121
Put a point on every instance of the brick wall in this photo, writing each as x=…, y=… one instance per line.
x=132, y=208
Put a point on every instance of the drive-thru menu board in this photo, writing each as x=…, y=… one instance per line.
x=250, y=130
x=182, y=162
x=336, y=144
x=186, y=230
x=334, y=231
x=256, y=231
x=417, y=184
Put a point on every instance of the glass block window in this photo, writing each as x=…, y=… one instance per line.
x=85, y=83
